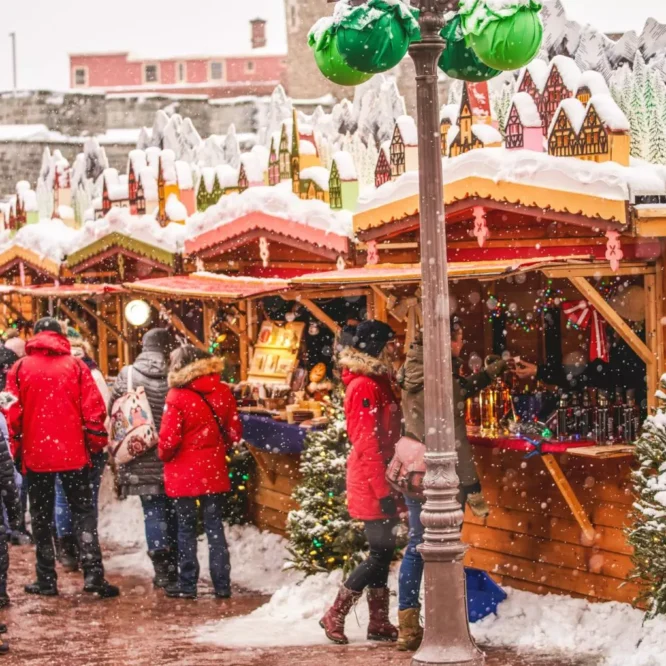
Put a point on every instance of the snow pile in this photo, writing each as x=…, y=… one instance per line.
x=594, y=82
x=486, y=134
x=345, y=163
x=527, y=110
x=278, y=201
x=408, y=132
x=610, y=113
x=573, y=109
x=49, y=239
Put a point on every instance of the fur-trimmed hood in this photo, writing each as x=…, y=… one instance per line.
x=358, y=363
x=200, y=368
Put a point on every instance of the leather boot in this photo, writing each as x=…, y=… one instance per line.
x=379, y=627
x=161, y=564
x=95, y=584
x=410, y=630
x=68, y=553
x=333, y=623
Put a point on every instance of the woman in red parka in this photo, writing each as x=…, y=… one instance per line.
x=199, y=425
x=373, y=424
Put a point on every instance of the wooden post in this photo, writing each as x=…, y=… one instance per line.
x=380, y=312
x=321, y=315
x=653, y=336
x=660, y=316
x=208, y=314
x=180, y=326
x=243, y=346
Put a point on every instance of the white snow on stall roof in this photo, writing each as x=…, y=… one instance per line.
x=278, y=201
x=608, y=180
x=568, y=70
x=538, y=70
x=527, y=110
x=408, y=131
x=306, y=147
x=345, y=163
x=168, y=159
x=29, y=199
x=610, y=113
x=253, y=168
x=594, y=82
x=184, y=174
x=174, y=209
x=49, y=238
x=487, y=134
x=320, y=176
x=574, y=110
x=449, y=112
x=262, y=155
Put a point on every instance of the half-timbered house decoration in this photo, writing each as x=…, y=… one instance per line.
x=115, y=193
x=561, y=83
x=564, y=130
x=314, y=183
x=383, y=168
x=62, y=193
x=467, y=135
x=605, y=133
x=404, y=146
x=524, y=129
x=343, y=187
x=448, y=117
x=214, y=183
x=284, y=155
x=533, y=79
x=273, y=163
x=591, y=83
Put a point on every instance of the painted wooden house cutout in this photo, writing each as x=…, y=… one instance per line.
x=524, y=128
x=273, y=164
x=591, y=83
x=564, y=129
x=343, y=185
x=606, y=133
x=561, y=83
x=467, y=135
x=383, y=168
x=448, y=117
x=404, y=147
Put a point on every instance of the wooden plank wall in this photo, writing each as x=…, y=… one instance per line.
x=531, y=542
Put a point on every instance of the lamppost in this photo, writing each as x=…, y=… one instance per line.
x=447, y=639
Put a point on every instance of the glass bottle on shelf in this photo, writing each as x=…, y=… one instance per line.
x=603, y=420
x=584, y=419
x=563, y=418
x=631, y=418
x=489, y=397
x=473, y=412
x=573, y=417
x=617, y=433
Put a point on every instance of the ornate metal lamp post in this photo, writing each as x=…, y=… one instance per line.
x=447, y=639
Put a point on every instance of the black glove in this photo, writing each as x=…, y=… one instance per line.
x=388, y=506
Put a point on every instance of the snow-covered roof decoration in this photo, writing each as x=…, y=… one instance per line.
x=408, y=131
x=174, y=209
x=278, y=201
x=610, y=114
x=575, y=112
x=449, y=112
x=452, y=135
x=527, y=110
x=538, y=70
x=227, y=176
x=318, y=174
x=49, y=239
x=116, y=185
x=184, y=175
x=345, y=163
x=29, y=200
x=487, y=134
x=568, y=69
x=254, y=169
x=306, y=147
x=594, y=82
x=168, y=161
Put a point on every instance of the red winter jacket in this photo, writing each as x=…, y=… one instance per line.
x=58, y=419
x=191, y=446
x=373, y=424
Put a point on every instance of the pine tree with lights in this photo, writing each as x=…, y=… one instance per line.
x=322, y=536
x=648, y=532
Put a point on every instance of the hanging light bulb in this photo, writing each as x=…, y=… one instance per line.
x=137, y=312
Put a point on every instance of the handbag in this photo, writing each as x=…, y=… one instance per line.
x=133, y=429
x=406, y=471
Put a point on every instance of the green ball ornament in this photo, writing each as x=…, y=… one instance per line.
x=330, y=62
x=459, y=61
x=375, y=37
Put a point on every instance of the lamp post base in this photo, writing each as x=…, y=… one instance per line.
x=447, y=640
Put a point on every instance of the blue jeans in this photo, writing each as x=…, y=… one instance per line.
x=63, y=514
x=188, y=564
x=411, y=569
x=160, y=522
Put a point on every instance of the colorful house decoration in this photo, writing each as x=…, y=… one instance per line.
x=404, y=147
x=448, y=117
x=214, y=183
x=524, y=129
x=273, y=164
x=467, y=135
x=591, y=83
x=343, y=186
x=561, y=83
x=563, y=132
x=383, y=168
x=314, y=183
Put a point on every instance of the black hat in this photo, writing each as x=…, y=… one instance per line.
x=47, y=324
x=157, y=339
x=372, y=336
x=346, y=338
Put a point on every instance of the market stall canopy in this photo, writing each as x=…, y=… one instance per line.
x=209, y=286
x=67, y=290
x=16, y=259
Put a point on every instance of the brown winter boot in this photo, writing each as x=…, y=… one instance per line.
x=333, y=623
x=411, y=631
x=379, y=627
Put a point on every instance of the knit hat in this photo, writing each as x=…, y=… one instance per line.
x=372, y=336
x=157, y=339
x=17, y=345
x=74, y=337
x=47, y=324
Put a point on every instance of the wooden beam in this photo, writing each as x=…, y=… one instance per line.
x=12, y=308
x=341, y=292
x=321, y=315
x=76, y=319
x=597, y=270
x=380, y=310
x=208, y=316
x=98, y=317
x=613, y=319
x=179, y=325
x=653, y=336
x=243, y=346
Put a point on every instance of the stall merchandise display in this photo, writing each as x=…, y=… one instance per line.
x=276, y=352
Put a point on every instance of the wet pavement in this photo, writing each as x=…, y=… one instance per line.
x=143, y=628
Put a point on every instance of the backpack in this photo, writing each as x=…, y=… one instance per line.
x=406, y=470
x=133, y=429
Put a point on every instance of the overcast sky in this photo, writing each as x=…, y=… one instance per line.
x=48, y=31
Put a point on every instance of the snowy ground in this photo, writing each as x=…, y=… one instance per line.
x=613, y=632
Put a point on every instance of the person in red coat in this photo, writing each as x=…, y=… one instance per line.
x=55, y=424
x=373, y=425
x=200, y=424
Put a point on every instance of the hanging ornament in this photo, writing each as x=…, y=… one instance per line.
x=505, y=34
x=480, y=227
x=374, y=37
x=614, y=252
x=581, y=314
x=372, y=257
x=323, y=44
x=459, y=61
x=263, y=251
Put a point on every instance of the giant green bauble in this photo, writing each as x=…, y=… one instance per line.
x=509, y=43
x=330, y=62
x=459, y=61
x=375, y=37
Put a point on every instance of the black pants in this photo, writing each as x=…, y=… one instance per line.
x=374, y=570
x=4, y=560
x=78, y=490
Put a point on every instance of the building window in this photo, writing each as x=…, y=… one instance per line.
x=181, y=72
x=215, y=71
x=249, y=65
x=151, y=74
x=81, y=76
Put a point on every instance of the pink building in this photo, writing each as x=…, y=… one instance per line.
x=254, y=73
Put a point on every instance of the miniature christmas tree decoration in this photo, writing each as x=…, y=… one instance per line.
x=505, y=34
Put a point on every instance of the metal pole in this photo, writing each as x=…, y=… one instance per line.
x=13, y=36
x=447, y=639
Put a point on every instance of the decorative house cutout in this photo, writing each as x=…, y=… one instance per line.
x=214, y=183
x=273, y=164
x=383, y=168
x=343, y=187
x=533, y=79
x=448, y=117
x=314, y=183
x=467, y=135
x=524, y=128
x=563, y=132
x=561, y=83
x=591, y=83
x=404, y=147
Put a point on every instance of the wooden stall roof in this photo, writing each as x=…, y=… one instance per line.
x=209, y=286
x=406, y=273
x=17, y=253
x=67, y=290
x=118, y=243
